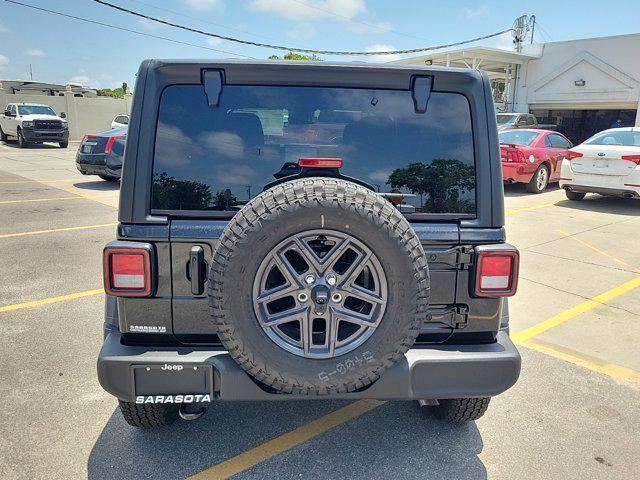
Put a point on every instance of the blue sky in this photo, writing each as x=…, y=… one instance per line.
x=62, y=49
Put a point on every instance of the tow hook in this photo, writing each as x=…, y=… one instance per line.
x=190, y=416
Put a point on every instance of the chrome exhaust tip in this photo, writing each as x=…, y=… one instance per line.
x=190, y=416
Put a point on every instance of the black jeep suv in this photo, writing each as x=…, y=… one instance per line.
x=308, y=230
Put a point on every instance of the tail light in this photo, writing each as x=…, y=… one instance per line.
x=320, y=162
x=86, y=137
x=127, y=271
x=512, y=154
x=632, y=158
x=571, y=155
x=496, y=271
x=110, y=143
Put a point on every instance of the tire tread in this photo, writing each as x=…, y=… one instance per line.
x=286, y=197
x=148, y=415
x=460, y=410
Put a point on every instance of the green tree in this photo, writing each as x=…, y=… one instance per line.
x=443, y=180
x=172, y=194
x=296, y=56
x=223, y=200
x=115, y=92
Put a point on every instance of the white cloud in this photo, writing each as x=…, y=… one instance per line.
x=303, y=12
x=302, y=31
x=4, y=28
x=478, y=12
x=214, y=41
x=381, y=47
x=4, y=61
x=204, y=5
x=310, y=9
x=370, y=27
x=149, y=24
x=85, y=80
x=34, y=52
x=504, y=41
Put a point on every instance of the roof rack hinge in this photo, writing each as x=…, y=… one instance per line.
x=212, y=81
x=420, y=92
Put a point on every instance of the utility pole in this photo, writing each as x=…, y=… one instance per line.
x=521, y=27
x=532, y=18
x=30, y=72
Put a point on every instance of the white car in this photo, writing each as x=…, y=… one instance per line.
x=607, y=163
x=121, y=120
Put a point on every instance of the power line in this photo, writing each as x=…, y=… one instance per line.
x=544, y=31
x=352, y=20
x=201, y=20
x=293, y=49
x=95, y=22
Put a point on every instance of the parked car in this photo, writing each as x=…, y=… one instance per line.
x=516, y=120
x=532, y=157
x=33, y=123
x=508, y=121
x=121, y=120
x=228, y=283
x=607, y=163
x=102, y=153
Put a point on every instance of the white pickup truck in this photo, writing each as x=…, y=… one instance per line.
x=33, y=123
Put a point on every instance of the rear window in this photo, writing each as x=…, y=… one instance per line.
x=503, y=119
x=217, y=159
x=517, y=137
x=625, y=138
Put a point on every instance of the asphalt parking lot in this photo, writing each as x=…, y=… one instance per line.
x=575, y=412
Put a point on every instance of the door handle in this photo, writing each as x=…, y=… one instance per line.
x=196, y=270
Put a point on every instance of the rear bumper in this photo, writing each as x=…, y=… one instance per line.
x=438, y=372
x=614, y=185
x=629, y=192
x=518, y=172
x=96, y=164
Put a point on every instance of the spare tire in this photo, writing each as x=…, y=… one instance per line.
x=317, y=286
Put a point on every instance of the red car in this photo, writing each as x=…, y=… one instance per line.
x=532, y=156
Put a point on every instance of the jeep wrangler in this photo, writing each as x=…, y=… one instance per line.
x=298, y=230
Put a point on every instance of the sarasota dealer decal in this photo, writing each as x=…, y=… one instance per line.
x=173, y=398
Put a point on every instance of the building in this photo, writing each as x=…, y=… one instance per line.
x=581, y=86
x=31, y=87
x=86, y=112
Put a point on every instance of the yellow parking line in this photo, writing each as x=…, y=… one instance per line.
x=42, y=181
x=573, y=312
x=76, y=196
x=47, y=301
x=595, y=249
x=528, y=209
x=284, y=442
x=28, y=200
x=610, y=369
x=55, y=230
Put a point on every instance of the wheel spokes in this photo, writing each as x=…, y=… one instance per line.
x=332, y=312
x=286, y=316
x=363, y=294
x=287, y=269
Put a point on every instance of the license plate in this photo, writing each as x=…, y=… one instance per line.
x=601, y=164
x=171, y=379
